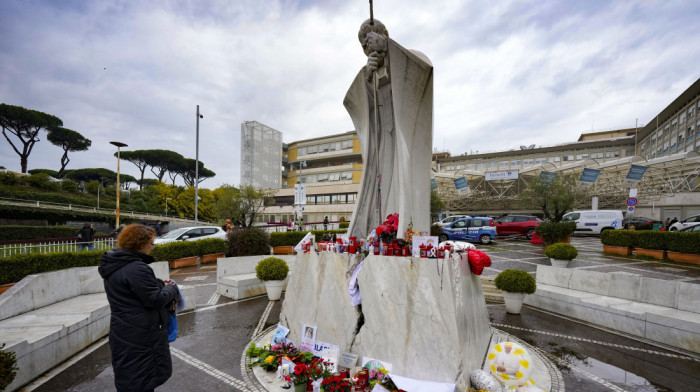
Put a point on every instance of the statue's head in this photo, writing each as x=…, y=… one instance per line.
x=373, y=37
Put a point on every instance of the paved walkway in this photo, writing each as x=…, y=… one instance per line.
x=208, y=353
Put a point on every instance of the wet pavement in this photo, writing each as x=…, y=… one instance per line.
x=207, y=355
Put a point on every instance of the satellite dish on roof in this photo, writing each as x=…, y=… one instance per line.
x=523, y=148
x=531, y=146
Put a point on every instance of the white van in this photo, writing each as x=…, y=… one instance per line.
x=594, y=221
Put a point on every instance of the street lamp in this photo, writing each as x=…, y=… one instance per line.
x=196, y=172
x=166, y=205
x=98, y=193
x=119, y=146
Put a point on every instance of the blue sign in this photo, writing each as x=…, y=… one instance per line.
x=547, y=177
x=433, y=184
x=589, y=175
x=632, y=201
x=461, y=183
x=636, y=172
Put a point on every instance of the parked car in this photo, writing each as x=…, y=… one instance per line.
x=594, y=221
x=694, y=229
x=517, y=224
x=687, y=222
x=471, y=229
x=191, y=234
x=632, y=220
x=450, y=219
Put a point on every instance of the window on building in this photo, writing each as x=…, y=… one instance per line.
x=347, y=175
x=528, y=162
x=568, y=158
x=681, y=117
x=580, y=157
x=310, y=199
x=312, y=149
x=449, y=168
x=597, y=155
x=302, y=151
x=323, y=148
x=352, y=197
x=337, y=199
x=612, y=154
x=503, y=164
x=334, y=177
x=347, y=144
x=673, y=148
x=691, y=112
x=325, y=199
x=323, y=177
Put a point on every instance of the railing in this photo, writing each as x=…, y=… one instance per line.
x=81, y=208
x=54, y=246
x=282, y=227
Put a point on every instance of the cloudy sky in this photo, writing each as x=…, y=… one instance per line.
x=506, y=72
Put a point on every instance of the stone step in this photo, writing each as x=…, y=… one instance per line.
x=491, y=293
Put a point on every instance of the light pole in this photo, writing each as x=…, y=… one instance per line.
x=119, y=146
x=166, y=205
x=196, y=172
x=98, y=193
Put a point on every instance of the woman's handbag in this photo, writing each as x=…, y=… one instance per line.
x=172, y=326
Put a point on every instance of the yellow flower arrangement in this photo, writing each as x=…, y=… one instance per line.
x=269, y=359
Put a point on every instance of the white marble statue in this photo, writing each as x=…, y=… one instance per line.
x=397, y=86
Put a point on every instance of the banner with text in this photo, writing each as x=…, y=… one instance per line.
x=589, y=177
x=462, y=186
x=634, y=176
x=547, y=177
x=299, y=194
x=502, y=175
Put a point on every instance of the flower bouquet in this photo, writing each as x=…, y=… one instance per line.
x=335, y=384
x=387, y=230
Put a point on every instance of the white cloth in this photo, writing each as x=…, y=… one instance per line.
x=353, y=287
x=413, y=385
x=181, y=304
x=306, y=239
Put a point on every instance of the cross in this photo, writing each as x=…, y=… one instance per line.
x=371, y=13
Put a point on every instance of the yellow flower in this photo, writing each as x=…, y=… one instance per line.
x=269, y=359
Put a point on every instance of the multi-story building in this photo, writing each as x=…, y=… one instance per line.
x=331, y=168
x=261, y=155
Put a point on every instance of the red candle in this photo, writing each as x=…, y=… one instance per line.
x=376, y=248
x=423, y=251
x=441, y=253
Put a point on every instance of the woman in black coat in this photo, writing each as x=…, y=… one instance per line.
x=138, y=334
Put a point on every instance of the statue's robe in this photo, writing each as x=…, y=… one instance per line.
x=401, y=149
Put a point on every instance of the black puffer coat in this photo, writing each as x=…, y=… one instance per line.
x=138, y=334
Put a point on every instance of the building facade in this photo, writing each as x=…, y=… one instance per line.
x=261, y=155
x=331, y=168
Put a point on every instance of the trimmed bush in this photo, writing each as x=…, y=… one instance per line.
x=69, y=186
x=435, y=230
x=59, y=216
x=19, y=233
x=271, y=268
x=7, y=178
x=211, y=246
x=175, y=250
x=249, y=241
x=42, y=181
x=291, y=238
x=626, y=238
x=683, y=242
x=561, y=251
x=655, y=240
x=343, y=225
x=8, y=367
x=555, y=232
x=16, y=267
x=515, y=281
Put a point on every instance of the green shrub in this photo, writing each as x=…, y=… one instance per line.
x=271, y=268
x=92, y=186
x=52, y=173
x=14, y=268
x=249, y=241
x=291, y=238
x=343, y=225
x=175, y=250
x=435, y=230
x=59, y=216
x=515, y=281
x=42, y=181
x=683, y=242
x=8, y=367
x=19, y=233
x=652, y=240
x=626, y=238
x=211, y=246
x=69, y=186
x=7, y=178
x=555, y=232
x=561, y=251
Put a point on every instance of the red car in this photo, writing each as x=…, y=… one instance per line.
x=517, y=224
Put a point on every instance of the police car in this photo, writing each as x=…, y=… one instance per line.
x=471, y=229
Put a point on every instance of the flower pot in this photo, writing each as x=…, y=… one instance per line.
x=283, y=250
x=5, y=287
x=183, y=262
x=684, y=257
x=514, y=302
x=274, y=289
x=617, y=250
x=657, y=254
x=559, y=263
x=300, y=387
x=209, y=258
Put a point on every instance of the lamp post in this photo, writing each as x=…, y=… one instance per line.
x=98, y=193
x=196, y=172
x=119, y=146
x=166, y=205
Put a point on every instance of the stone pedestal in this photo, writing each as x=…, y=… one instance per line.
x=426, y=317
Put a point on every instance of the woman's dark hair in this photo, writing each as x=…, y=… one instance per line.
x=135, y=236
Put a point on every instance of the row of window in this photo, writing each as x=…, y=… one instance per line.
x=325, y=147
x=348, y=198
x=681, y=141
x=534, y=161
x=323, y=177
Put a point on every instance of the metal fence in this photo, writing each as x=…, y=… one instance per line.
x=52, y=247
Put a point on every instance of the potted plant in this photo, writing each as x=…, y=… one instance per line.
x=515, y=284
x=560, y=254
x=652, y=244
x=555, y=232
x=619, y=242
x=273, y=272
x=684, y=247
x=211, y=249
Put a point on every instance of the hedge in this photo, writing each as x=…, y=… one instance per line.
x=16, y=267
x=656, y=240
x=18, y=233
x=626, y=238
x=683, y=242
x=211, y=246
x=555, y=232
x=175, y=250
x=291, y=238
x=59, y=216
x=250, y=241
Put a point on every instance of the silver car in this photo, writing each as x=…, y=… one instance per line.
x=191, y=234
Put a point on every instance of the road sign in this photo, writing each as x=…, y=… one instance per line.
x=632, y=201
x=630, y=210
